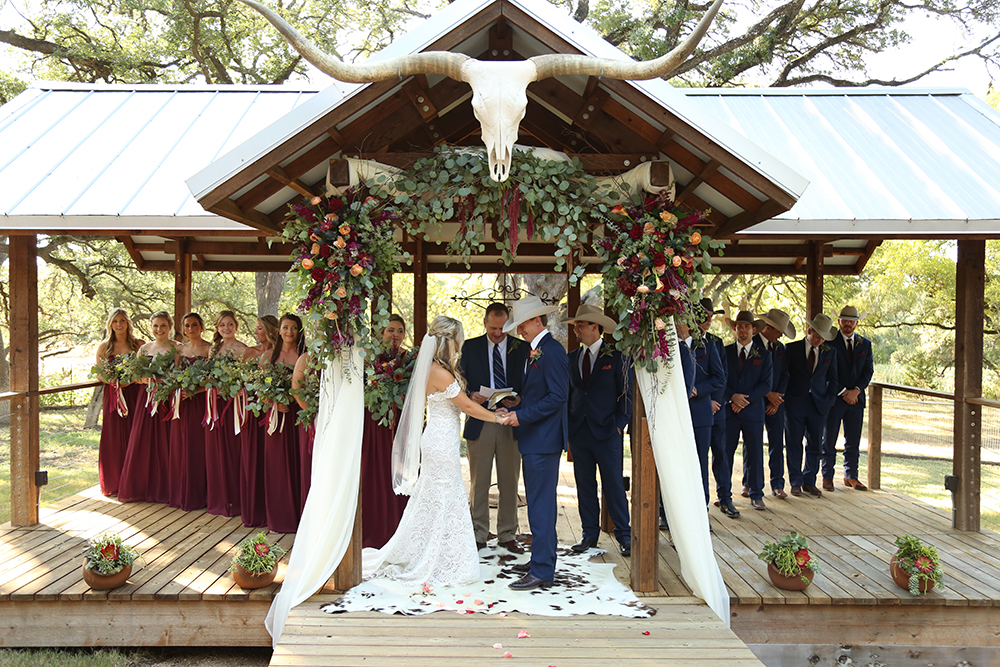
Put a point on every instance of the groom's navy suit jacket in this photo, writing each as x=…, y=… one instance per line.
x=542, y=414
x=476, y=369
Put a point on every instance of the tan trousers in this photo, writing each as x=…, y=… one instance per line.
x=495, y=441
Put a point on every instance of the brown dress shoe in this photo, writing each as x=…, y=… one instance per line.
x=796, y=490
x=745, y=492
x=828, y=485
x=854, y=484
x=780, y=493
x=512, y=546
x=812, y=490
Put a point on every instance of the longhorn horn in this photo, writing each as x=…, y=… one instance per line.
x=558, y=64
x=432, y=62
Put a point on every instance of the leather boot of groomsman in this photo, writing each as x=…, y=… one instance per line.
x=855, y=367
x=496, y=361
x=600, y=407
x=776, y=324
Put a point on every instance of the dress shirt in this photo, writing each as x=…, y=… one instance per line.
x=503, y=354
x=536, y=341
x=740, y=347
x=594, y=349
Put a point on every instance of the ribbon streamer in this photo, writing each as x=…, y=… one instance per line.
x=239, y=411
x=275, y=420
x=119, y=398
x=177, y=404
x=211, y=416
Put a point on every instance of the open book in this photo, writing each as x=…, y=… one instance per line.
x=499, y=396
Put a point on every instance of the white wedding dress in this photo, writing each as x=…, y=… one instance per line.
x=434, y=542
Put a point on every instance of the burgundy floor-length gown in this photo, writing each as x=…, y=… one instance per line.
x=381, y=508
x=252, y=502
x=307, y=438
x=188, y=486
x=282, y=476
x=146, y=473
x=115, y=432
x=222, y=461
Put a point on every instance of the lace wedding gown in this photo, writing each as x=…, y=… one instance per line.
x=434, y=542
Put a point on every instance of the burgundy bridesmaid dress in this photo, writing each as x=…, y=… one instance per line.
x=381, y=508
x=146, y=473
x=188, y=486
x=282, y=476
x=307, y=438
x=253, y=511
x=115, y=431
x=222, y=461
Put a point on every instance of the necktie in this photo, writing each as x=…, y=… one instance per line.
x=850, y=348
x=743, y=358
x=811, y=360
x=499, y=377
x=586, y=366
x=770, y=347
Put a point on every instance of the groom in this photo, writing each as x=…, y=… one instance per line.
x=543, y=429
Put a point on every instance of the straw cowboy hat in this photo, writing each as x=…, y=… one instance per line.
x=851, y=313
x=743, y=316
x=823, y=325
x=525, y=309
x=591, y=313
x=780, y=320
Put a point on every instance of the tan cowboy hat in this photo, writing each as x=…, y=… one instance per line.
x=591, y=313
x=525, y=309
x=780, y=320
x=823, y=325
x=851, y=313
x=743, y=316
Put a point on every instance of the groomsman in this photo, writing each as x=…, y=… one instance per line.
x=855, y=367
x=777, y=323
x=721, y=467
x=600, y=407
x=494, y=360
x=812, y=389
x=749, y=377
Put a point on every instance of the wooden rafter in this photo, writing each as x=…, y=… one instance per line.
x=227, y=208
x=283, y=177
x=870, y=247
x=688, y=188
x=132, y=251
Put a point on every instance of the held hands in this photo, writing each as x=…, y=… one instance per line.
x=506, y=418
x=851, y=396
x=739, y=401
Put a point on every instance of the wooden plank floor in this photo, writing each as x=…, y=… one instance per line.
x=683, y=632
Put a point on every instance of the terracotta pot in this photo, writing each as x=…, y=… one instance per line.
x=793, y=583
x=104, y=582
x=902, y=577
x=246, y=579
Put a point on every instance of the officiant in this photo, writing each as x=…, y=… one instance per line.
x=492, y=362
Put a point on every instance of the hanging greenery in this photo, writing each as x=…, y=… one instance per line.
x=551, y=201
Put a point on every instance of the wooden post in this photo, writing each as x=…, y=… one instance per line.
x=24, y=431
x=970, y=284
x=874, y=436
x=645, y=502
x=182, y=285
x=348, y=573
x=419, y=292
x=814, y=279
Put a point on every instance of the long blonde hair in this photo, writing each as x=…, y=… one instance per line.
x=217, y=337
x=270, y=324
x=449, y=336
x=108, y=344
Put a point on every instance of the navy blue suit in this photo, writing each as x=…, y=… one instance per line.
x=854, y=371
x=541, y=438
x=709, y=379
x=754, y=380
x=775, y=424
x=599, y=411
x=723, y=477
x=476, y=369
x=807, y=403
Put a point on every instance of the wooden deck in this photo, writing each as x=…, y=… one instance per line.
x=183, y=595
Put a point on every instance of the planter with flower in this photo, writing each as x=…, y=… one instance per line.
x=256, y=562
x=386, y=382
x=915, y=566
x=107, y=562
x=789, y=564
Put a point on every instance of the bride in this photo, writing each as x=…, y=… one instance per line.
x=434, y=542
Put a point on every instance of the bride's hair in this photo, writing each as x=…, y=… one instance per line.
x=449, y=336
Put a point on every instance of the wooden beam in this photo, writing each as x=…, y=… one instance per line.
x=348, y=573
x=645, y=502
x=227, y=208
x=420, y=270
x=283, y=177
x=572, y=305
x=776, y=251
x=814, y=280
x=501, y=41
x=862, y=262
x=874, y=436
x=259, y=248
x=182, y=288
x=970, y=300
x=132, y=251
x=782, y=269
x=23, y=350
x=294, y=169
x=699, y=178
x=765, y=211
x=212, y=265
x=612, y=163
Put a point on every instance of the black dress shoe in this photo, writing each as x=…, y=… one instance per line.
x=729, y=509
x=530, y=582
x=521, y=568
x=583, y=545
x=625, y=548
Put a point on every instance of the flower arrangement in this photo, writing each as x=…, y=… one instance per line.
x=114, y=370
x=345, y=252
x=271, y=386
x=789, y=556
x=655, y=260
x=106, y=554
x=154, y=369
x=920, y=562
x=257, y=555
x=308, y=394
x=386, y=382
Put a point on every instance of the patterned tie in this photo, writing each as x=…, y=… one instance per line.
x=586, y=366
x=811, y=360
x=499, y=377
x=743, y=358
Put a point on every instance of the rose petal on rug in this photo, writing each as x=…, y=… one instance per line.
x=581, y=587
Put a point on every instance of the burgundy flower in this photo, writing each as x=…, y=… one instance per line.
x=659, y=259
x=635, y=233
x=318, y=273
x=110, y=551
x=325, y=250
x=626, y=288
x=262, y=549
x=336, y=204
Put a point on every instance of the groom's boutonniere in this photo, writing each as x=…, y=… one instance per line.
x=535, y=355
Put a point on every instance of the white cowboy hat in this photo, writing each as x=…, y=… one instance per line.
x=823, y=325
x=591, y=313
x=780, y=320
x=525, y=309
x=851, y=313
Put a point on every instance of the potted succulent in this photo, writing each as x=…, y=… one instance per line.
x=915, y=566
x=789, y=563
x=107, y=562
x=256, y=562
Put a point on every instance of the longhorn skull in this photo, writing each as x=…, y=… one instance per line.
x=499, y=88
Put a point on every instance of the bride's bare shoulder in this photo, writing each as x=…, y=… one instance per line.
x=439, y=378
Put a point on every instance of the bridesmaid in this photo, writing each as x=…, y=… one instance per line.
x=252, y=429
x=222, y=445
x=146, y=474
x=381, y=508
x=115, y=427
x=307, y=432
x=281, y=448
x=188, y=486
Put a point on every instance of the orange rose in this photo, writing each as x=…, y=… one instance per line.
x=660, y=324
x=695, y=238
x=315, y=249
x=332, y=315
x=316, y=201
x=307, y=263
x=648, y=228
x=357, y=270
x=340, y=242
x=668, y=217
x=677, y=260
x=332, y=217
x=341, y=292
x=670, y=251
x=642, y=289
x=345, y=229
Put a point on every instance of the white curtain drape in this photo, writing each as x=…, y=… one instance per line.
x=328, y=518
x=665, y=396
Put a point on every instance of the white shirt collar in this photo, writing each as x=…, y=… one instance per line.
x=594, y=349
x=689, y=341
x=748, y=347
x=502, y=345
x=536, y=341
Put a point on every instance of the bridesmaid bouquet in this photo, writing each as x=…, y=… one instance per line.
x=309, y=394
x=386, y=382
x=225, y=379
x=274, y=385
x=156, y=371
x=115, y=372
